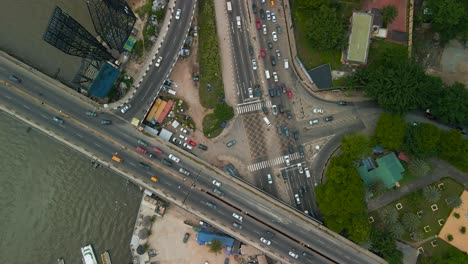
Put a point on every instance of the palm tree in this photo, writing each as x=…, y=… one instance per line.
x=215, y=246
x=389, y=216
x=377, y=187
x=419, y=168
x=397, y=230
x=454, y=201
x=417, y=236
x=410, y=221
x=431, y=193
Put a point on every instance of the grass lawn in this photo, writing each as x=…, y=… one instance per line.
x=407, y=176
x=211, y=126
x=209, y=58
x=412, y=204
x=378, y=46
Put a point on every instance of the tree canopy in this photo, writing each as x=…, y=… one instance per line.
x=341, y=200
x=452, y=105
x=355, y=146
x=449, y=17
x=422, y=140
x=383, y=244
x=390, y=131
x=326, y=28
x=215, y=246
x=389, y=13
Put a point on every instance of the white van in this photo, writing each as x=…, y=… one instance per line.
x=286, y=63
x=307, y=172
x=238, y=19
x=170, y=91
x=267, y=121
x=267, y=74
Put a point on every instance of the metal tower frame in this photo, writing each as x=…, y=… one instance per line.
x=67, y=35
x=113, y=20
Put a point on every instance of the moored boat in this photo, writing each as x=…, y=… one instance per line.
x=60, y=261
x=106, y=258
x=88, y=255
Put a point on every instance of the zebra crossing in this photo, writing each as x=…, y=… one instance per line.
x=252, y=106
x=272, y=162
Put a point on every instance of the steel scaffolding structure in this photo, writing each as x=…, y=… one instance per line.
x=67, y=35
x=113, y=20
x=88, y=71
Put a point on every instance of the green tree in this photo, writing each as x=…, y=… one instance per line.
x=341, y=199
x=422, y=140
x=449, y=256
x=416, y=198
x=389, y=13
x=419, y=167
x=431, y=194
x=410, y=221
x=390, y=131
x=452, y=105
x=215, y=246
x=454, y=201
x=383, y=244
x=448, y=17
x=377, y=187
x=452, y=145
x=397, y=230
x=355, y=146
x=223, y=112
x=326, y=29
x=389, y=216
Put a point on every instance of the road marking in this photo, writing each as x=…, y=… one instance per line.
x=8, y=97
x=80, y=136
x=99, y=146
x=43, y=116
x=272, y=162
x=27, y=107
x=133, y=164
x=252, y=107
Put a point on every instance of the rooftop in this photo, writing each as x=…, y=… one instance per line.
x=359, y=39
x=387, y=169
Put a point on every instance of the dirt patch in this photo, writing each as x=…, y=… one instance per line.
x=167, y=234
x=452, y=225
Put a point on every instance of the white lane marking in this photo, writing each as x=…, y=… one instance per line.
x=99, y=146
x=44, y=116
x=8, y=97
x=80, y=136
x=27, y=107
x=133, y=164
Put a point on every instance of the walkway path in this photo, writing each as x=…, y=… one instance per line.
x=440, y=170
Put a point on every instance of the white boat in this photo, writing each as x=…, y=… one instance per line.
x=88, y=255
x=60, y=261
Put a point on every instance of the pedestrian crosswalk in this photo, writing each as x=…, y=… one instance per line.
x=252, y=106
x=272, y=162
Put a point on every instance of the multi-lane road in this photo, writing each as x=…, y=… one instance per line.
x=39, y=101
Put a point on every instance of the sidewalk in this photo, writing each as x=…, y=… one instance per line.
x=440, y=170
x=150, y=57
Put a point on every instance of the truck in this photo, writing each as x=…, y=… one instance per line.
x=229, y=6
x=238, y=19
x=116, y=158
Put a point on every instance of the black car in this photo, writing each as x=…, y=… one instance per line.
x=251, y=51
x=254, y=8
x=273, y=61
x=262, y=14
x=281, y=108
x=328, y=119
x=106, y=122
x=210, y=204
x=301, y=150
x=288, y=114
x=286, y=131
x=144, y=165
x=270, y=45
x=269, y=234
x=265, y=110
x=290, y=149
x=272, y=92
x=296, y=135
x=166, y=162
x=342, y=103
x=203, y=147
x=278, y=91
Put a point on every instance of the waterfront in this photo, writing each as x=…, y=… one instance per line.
x=23, y=25
x=52, y=201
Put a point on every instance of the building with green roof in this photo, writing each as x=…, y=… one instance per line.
x=387, y=169
x=359, y=39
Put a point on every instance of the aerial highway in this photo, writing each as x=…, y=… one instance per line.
x=40, y=101
x=170, y=47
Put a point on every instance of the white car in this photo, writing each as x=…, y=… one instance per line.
x=298, y=200
x=287, y=160
x=264, y=29
x=238, y=217
x=318, y=111
x=278, y=54
x=268, y=14
x=177, y=14
x=274, y=108
x=307, y=172
x=270, y=180
x=275, y=37
x=158, y=61
x=292, y=254
x=313, y=121
x=264, y=241
x=273, y=17
x=275, y=76
x=216, y=183
x=125, y=108
x=254, y=64
x=188, y=146
x=182, y=129
x=183, y=137
x=181, y=170
x=250, y=92
x=299, y=167
x=174, y=158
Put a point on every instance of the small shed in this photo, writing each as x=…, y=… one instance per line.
x=388, y=169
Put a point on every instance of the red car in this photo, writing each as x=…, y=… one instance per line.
x=155, y=149
x=290, y=94
x=262, y=52
x=191, y=142
x=142, y=150
x=257, y=23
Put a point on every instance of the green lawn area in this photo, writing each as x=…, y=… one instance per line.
x=379, y=46
x=211, y=126
x=414, y=203
x=209, y=57
x=407, y=176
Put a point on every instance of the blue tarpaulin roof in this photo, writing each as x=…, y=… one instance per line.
x=204, y=237
x=104, y=81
